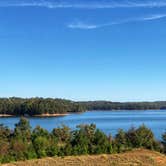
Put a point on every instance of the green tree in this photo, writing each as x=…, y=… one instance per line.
x=120, y=140
x=164, y=142
x=100, y=143
x=144, y=137
x=23, y=129
x=38, y=131
x=44, y=143
x=19, y=149
x=41, y=144
x=63, y=134
x=5, y=132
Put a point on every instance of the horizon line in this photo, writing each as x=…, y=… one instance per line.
x=93, y=100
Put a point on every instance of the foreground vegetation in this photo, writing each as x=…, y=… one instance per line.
x=136, y=157
x=23, y=143
x=41, y=106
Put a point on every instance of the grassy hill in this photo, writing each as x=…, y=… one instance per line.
x=137, y=157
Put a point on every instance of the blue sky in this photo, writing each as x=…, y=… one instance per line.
x=83, y=49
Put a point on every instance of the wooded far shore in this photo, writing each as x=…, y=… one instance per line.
x=57, y=107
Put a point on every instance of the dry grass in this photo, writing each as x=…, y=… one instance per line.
x=138, y=157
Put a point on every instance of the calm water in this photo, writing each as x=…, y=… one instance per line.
x=108, y=121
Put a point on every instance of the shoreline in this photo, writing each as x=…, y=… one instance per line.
x=50, y=115
x=65, y=114
x=6, y=115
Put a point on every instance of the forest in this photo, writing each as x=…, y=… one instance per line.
x=24, y=143
x=37, y=106
x=108, y=105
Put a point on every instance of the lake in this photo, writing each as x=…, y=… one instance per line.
x=107, y=121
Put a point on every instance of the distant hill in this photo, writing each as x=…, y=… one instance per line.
x=108, y=105
x=138, y=157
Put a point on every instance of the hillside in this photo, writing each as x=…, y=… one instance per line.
x=138, y=157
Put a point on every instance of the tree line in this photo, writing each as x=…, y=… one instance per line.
x=24, y=143
x=107, y=105
x=36, y=106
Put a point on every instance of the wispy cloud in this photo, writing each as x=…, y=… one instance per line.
x=98, y=4
x=81, y=25
x=154, y=17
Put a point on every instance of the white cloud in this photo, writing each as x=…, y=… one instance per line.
x=154, y=17
x=98, y=4
x=81, y=25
